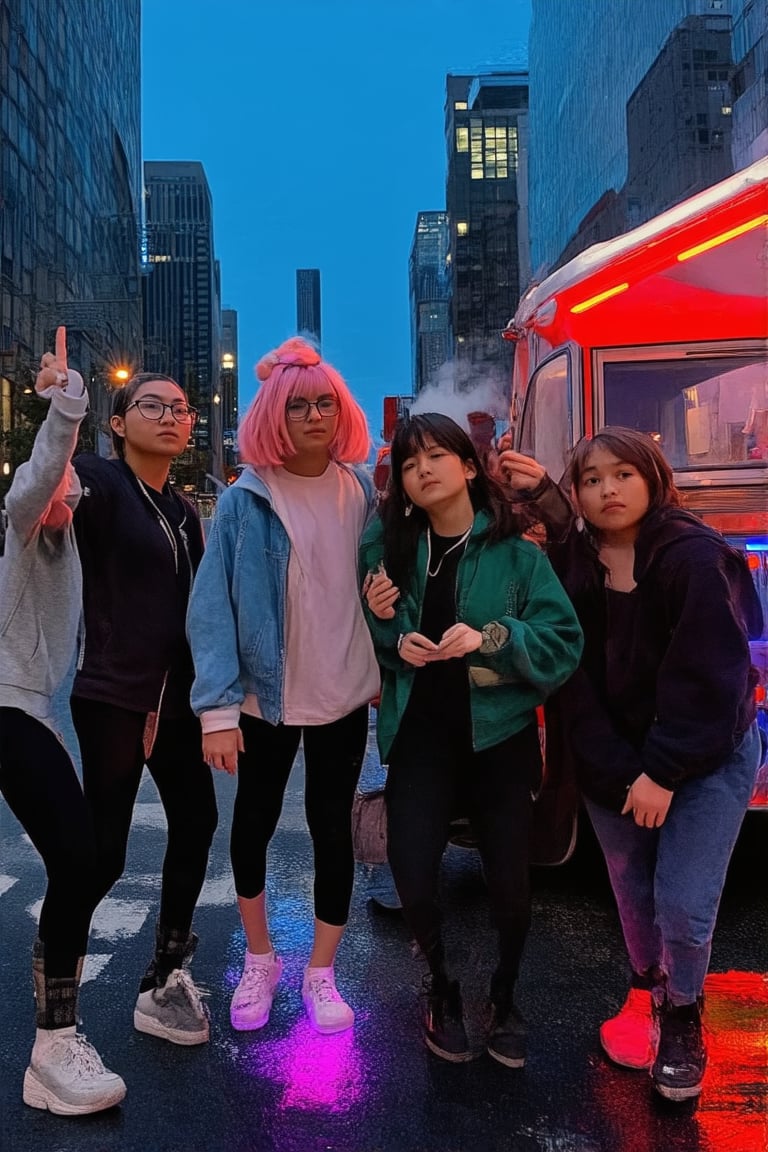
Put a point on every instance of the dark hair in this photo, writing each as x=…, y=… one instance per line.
x=633, y=447
x=401, y=532
x=122, y=397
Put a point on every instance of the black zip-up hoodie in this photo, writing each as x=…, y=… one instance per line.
x=675, y=697
x=136, y=582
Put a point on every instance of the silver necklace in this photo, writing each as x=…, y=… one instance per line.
x=453, y=547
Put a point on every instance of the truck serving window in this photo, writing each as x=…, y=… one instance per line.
x=708, y=409
x=547, y=416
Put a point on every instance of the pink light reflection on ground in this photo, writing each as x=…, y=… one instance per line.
x=316, y=1072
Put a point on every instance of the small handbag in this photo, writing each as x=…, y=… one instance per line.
x=369, y=827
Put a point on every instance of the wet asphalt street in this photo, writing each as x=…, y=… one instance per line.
x=376, y=1089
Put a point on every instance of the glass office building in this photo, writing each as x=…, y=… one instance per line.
x=182, y=296
x=631, y=112
x=70, y=177
x=429, y=299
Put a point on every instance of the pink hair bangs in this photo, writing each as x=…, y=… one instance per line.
x=263, y=435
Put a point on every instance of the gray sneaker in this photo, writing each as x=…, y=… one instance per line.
x=173, y=1012
x=69, y=1079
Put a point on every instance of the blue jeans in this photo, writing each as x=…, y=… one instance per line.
x=668, y=881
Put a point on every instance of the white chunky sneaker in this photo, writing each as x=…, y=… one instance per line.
x=326, y=1010
x=66, y=1076
x=252, y=1000
x=173, y=1012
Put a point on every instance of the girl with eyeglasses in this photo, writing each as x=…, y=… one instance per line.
x=282, y=653
x=40, y=585
x=140, y=544
x=473, y=631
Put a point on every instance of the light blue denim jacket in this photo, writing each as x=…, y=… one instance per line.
x=236, y=616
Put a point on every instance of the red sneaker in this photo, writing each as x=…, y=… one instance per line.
x=631, y=1037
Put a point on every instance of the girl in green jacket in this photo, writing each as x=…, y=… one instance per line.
x=472, y=630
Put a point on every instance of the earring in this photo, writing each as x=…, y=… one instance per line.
x=408, y=509
x=579, y=523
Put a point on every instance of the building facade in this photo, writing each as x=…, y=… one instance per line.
x=630, y=116
x=430, y=304
x=308, y=305
x=749, y=139
x=182, y=302
x=484, y=117
x=70, y=195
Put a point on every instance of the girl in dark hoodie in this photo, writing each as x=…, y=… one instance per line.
x=660, y=722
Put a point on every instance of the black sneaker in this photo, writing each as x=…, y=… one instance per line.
x=442, y=1023
x=506, y=1037
x=681, y=1058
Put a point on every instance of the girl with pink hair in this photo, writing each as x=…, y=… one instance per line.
x=282, y=651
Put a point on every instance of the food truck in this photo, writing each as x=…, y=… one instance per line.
x=665, y=329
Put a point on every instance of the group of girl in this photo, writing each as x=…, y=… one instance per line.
x=306, y=602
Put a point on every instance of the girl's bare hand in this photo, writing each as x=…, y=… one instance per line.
x=459, y=640
x=380, y=595
x=648, y=802
x=520, y=471
x=53, y=365
x=220, y=749
x=417, y=650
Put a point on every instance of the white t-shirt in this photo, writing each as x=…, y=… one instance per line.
x=330, y=666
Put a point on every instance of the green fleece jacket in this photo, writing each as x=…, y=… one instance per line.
x=510, y=581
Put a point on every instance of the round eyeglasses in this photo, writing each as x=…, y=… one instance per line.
x=298, y=408
x=155, y=410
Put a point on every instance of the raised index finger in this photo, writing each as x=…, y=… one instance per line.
x=61, y=347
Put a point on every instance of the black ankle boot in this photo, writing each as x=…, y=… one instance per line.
x=442, y=1022
x=681, y=1058
x=507, y=1032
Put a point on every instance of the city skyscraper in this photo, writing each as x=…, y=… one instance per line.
x=749, y=140
x=182, y=295
x=485, y=118
x=652, y=104
x=430, y=304
x=70, y=194
x=308, y=309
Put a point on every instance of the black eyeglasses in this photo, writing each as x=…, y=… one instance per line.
x=298, y=408
x=155, y=410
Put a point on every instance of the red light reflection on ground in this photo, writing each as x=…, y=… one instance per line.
x=733, y=1112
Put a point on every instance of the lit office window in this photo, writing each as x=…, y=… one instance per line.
x=460, y=105
x=462, y=228
x=462, y=139
x=476, y=149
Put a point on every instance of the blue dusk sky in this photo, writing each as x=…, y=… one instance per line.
x=320, y=124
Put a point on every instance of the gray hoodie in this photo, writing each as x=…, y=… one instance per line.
x=40, y=579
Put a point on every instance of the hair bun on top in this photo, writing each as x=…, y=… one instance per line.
x=294, y=351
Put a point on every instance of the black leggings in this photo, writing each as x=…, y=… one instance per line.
x=40, y=786
x=111, y=746
x=433, y=777
x=333, y=757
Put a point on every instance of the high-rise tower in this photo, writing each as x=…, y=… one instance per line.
x=182, y=296
x=308, y=313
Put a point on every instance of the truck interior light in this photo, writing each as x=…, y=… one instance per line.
x=585, y=305
x=723, y=238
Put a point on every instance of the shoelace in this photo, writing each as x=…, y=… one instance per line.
x=82, y=1057
x=191, y=990
x=254, y=983
x=323, y=990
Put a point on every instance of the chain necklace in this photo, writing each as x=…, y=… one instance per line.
x=462, y=540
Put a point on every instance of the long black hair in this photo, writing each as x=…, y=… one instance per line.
x=401, y=532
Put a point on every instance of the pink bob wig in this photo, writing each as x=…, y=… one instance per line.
x=291, y=370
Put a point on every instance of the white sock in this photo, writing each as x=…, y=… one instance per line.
x=259, y=957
